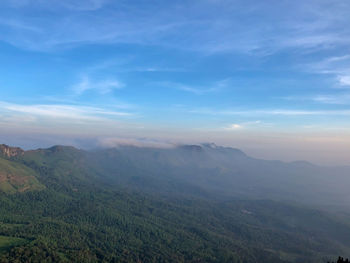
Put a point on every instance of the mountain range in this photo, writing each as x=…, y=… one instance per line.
x=189, y=203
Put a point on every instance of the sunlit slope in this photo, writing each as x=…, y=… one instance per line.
x=61, y=168
x=15, y=177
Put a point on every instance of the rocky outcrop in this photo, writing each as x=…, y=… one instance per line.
x=9, y=152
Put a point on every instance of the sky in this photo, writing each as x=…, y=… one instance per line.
x=269, y=77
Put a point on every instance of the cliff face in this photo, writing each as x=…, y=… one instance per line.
x=9, y=152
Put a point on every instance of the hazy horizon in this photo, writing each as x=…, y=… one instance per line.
x=268, y=151
x=197, y=130
x=243, y=74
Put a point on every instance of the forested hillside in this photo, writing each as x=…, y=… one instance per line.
x=127, y=205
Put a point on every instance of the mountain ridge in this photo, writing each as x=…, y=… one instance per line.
x=14, y=151
x=213, y=202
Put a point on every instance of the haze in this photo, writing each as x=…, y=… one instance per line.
x=175, y=131
x=271, y=78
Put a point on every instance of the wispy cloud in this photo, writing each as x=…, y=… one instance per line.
x=87, y=5
x=126, y=64
x=197, y=90
x=189, y=26
x=102, y=87
x=110, y=142
x=341, y=99
x=276, y=112
x=338, y=67
x=18, y=24
x=330, y=98
x=154, y=69
x=59, y=111
x=194, y=90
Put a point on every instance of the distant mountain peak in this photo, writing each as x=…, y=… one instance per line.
x=302, y=163
x=61, y=148
x=9, y=151
x=223, y=149
x=192, y=147
x=210, y=145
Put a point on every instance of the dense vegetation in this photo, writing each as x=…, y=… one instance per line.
x=78, y=216
x=341, y=260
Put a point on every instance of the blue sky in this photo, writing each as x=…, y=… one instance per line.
x=271, y=77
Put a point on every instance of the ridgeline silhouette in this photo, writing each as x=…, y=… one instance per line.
x=340, y=260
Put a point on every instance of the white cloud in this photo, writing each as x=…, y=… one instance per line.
x=111, y=142
x=243, y=125
x=102, y=87
x=344, y=80
x=234, y=126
